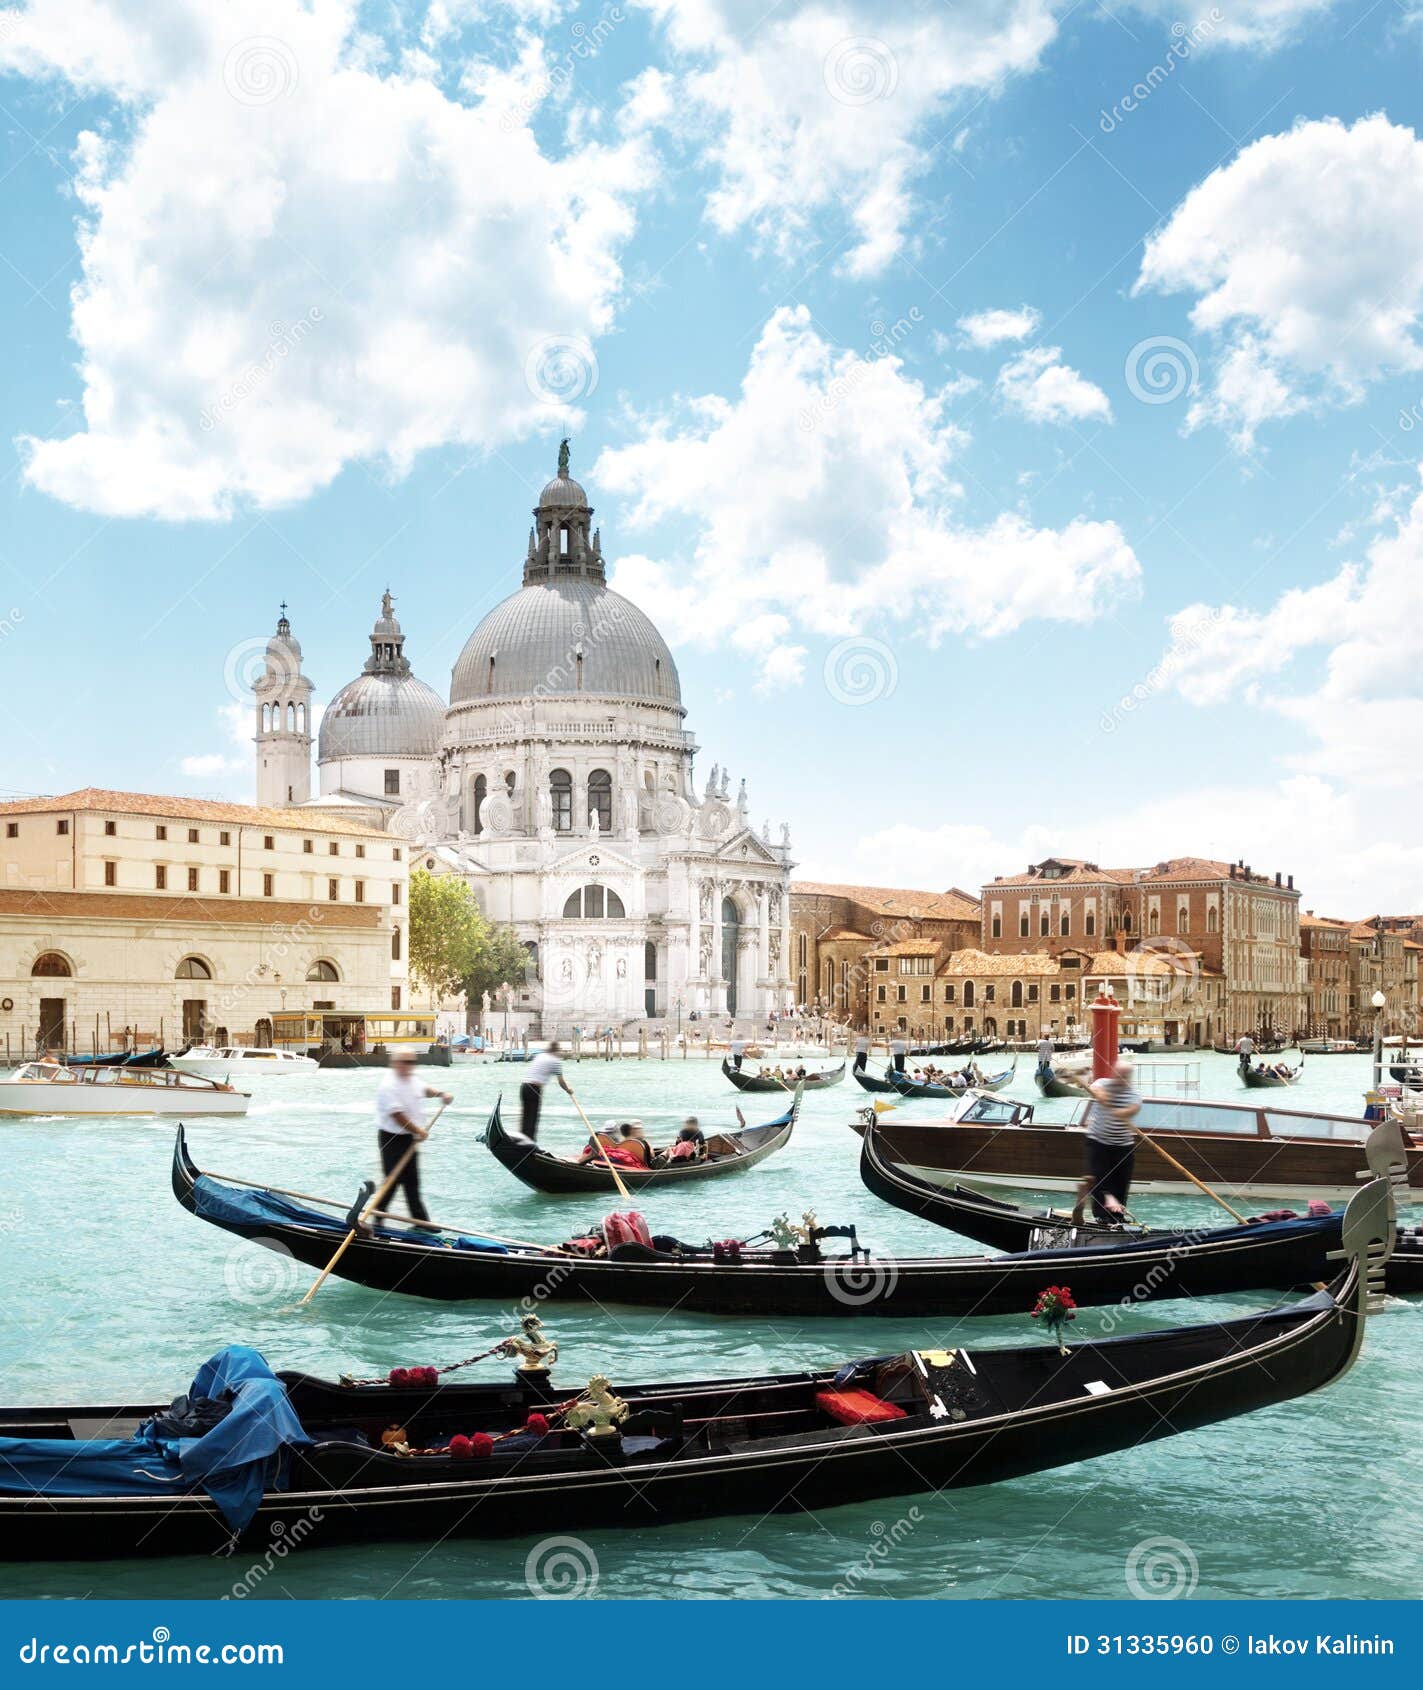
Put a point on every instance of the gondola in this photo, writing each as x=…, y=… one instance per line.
x=157, y=1058
x=796, y=1279
x=1260, y=1079
x=744, y=1081
x=1052, y=1084
x=900, y=1085
x=78, y=1482
x=1186, y=1258
x=728, y=1153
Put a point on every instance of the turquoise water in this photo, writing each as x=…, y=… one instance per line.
x=113, y=1292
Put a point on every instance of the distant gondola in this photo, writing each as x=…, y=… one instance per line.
x=1199, y=1262
x=917, y=1422
x=746, y=1081
x=728, y=1153
x=1052, y=1084
x=1259, y=1078
x=900, y=1085
x=122, y=1059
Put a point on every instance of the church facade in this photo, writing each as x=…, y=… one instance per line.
x=559, y=783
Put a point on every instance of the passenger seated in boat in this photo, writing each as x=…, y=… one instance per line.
x=690, y=1144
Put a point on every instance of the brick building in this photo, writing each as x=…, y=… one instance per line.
x=1325, y=947
x=834, y=927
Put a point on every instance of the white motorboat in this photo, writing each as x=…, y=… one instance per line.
x=50, y=1088
x=247, y=1062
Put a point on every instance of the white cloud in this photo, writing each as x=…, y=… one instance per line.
x=303, y=258
x=1306, y=254
x=1236, y=23
x=1039, y=386
x=990, y=328
x=820, y=500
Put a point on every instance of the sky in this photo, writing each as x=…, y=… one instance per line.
x=1010, y=411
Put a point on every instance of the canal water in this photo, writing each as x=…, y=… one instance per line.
x=112, y=1292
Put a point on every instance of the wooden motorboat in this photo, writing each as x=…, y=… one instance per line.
x=727, y=1153
x=1283, y=1246
x=743, y=1080
x=247, y=1062
x=1242, y=1149
x=787, y=1275
x=85, y=1480
x=51, y=1088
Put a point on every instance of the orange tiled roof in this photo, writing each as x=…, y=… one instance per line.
x=986, y=965
x=908, y=947
x=95, y=798
x=1117, y=963
x=1170, y=869
x=1309, y=919
x=901, y=901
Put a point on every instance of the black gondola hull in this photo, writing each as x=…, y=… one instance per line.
x=786, y=1088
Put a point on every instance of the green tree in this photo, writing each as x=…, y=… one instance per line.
x=500, y=956
x=446, y=930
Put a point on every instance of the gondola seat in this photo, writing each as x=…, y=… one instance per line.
x=856, y=1408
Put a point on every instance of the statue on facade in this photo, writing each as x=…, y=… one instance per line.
x=785, y=836
x=593, y=824
x=706, y=900
x=712, y=780
x=595, y=961
x=742, y=801
x=630, y=810
x=706, y=954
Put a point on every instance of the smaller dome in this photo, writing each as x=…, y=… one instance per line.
x=382, y=716
x=563, y=493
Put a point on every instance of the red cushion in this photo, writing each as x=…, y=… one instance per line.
x=856, y=1408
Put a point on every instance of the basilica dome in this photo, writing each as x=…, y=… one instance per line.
x=386, y=711
x=565, y=631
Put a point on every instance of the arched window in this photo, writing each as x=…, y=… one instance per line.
x=1126, y=921
x=600, y=799
x=481, y=792
x=1153, y=920
x=594, y=903
x=560, y=787
x=1017, y=998
x=968, y=994
x=1064, y=926
x=531, y=967
x=1210, y=919
x=730, y=935
x=323, y=970
x=192, y=968
x=51, y=966
x=1089, y=923
x=649, y=962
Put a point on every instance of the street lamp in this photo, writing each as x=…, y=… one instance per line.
x=1379, y=1001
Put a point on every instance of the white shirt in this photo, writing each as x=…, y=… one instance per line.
x=400, y=1096
x=543, y=1068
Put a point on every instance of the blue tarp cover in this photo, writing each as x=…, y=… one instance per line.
x=252, y=1209
x=243, y=1455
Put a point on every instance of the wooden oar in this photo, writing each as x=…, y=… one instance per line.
x=597, y=1144
x=1180, y=1168
x=377, y=1199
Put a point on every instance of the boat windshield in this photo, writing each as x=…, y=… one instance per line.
x=992, y=1111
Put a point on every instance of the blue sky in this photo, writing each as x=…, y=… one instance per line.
x=1007, y=410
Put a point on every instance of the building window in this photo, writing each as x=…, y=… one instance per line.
x=997, y=927
x=192, y=836
x=192, y=880
x=926, y=994
x=879, y=994
x=560, y=790
x=333, y=849
x=1064, y=925
x=1089, y=923
x=594, y=903
x=269, y=842
x=160, y=878
x=333, y=891
x=1044, y=925
x=12, y=830
x=1017, y=994
x=990, y=992
x=224, y=880
x=111, y=874
x=395, y=997
x=481, y=792
x=1023, y=925
x=1153, y=920
x=881, y=965
x=392, y=783
x=110, y=829
x=1210, y=919
x=50, y=965
x=267, y=885
x=306, y=846
x=1032, y=992
x=600, y=800
x=395, y=854
x=949, y=992
x=360, y=850
x=360, y=891
x=192, y=968
x=395, y=944
x=395, y=894
x=968, y=994
x=224, y=838
x=322, y=970
x=160, y=832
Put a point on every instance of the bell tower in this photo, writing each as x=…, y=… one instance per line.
x=283, y=737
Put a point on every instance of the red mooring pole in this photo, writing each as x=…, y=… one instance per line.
x=1106, y=1013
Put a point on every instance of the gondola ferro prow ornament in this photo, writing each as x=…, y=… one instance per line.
x=1387, y=1156
x=536, y=1353
x=598, y=1413
x=1370, y=1231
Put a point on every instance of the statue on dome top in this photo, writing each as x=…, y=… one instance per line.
x=387, y=603
x=563, y=456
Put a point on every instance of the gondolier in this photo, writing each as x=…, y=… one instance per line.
x=1111, y=1145
x=1244, y=1049
x=862, y=1052
x=898, y=1050
x=400, y=1119
x=546, y=1066
x=738, y=1052
x=1045, y=1054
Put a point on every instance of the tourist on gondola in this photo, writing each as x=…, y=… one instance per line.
x=400, y=1120
x=1111, y=1145
x=690, y=1144
x=546, y=1066
x=862, y=1052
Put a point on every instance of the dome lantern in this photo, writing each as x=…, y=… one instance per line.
x=561, y=547
x=387, y=711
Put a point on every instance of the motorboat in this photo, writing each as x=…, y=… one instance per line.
x=218, y=1062
x=51, y=1088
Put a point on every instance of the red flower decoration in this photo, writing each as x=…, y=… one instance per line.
x=424, y=1376
x=460, y=1447
x=537, y=1423
x=399, y=1375
x=481, y=1444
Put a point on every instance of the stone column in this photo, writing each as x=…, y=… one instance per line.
x=718, y=983
x=763, y=951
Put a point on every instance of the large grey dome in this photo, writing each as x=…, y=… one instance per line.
x=531, y=645
x=386, y=711
x=382, y=716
